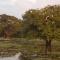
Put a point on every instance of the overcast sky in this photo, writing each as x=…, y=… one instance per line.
x=18, y=7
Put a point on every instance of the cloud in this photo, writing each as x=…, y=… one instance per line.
x=53, y=2
x=18, y=7
x=13, y=1
x=33, y=1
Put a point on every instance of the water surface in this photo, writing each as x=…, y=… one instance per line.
x=15, y=57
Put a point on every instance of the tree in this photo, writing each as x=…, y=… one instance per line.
x=46, y=21
x=9, y=25
x=32, y=22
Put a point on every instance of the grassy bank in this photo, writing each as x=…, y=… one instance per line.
x=30, y=48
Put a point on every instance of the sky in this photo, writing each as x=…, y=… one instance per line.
x=18, y=7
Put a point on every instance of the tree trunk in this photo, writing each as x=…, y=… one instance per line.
x=48, y=45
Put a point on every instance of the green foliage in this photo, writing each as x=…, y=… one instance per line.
x=9, y=23
x=45, y=22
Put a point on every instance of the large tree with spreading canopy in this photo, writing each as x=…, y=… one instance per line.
x=43, y=23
